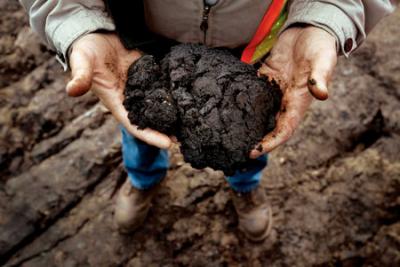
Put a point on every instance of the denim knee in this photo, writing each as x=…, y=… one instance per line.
x=245, y=181
x=146, y=165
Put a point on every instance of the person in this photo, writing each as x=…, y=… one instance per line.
x=302, y=60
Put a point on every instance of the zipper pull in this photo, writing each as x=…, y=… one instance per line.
x=204, y=20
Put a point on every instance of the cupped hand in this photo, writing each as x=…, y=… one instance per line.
x=302, y=62
x=99, y=62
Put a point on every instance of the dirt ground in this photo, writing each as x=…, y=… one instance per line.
x=334, y=187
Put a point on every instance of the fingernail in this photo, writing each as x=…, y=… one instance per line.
x=259, y=148
x=317, y=89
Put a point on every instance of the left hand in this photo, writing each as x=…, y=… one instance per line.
x=302, y=62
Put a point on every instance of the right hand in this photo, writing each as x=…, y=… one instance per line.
x=99, y=62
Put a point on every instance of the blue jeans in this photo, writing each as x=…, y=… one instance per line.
x=147, y=165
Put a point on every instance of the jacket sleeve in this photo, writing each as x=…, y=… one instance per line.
x=60, y=22
x=348, y=20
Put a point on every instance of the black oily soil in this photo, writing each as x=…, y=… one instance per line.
x=214, y=104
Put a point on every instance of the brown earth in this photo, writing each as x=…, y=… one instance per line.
x=335, y=187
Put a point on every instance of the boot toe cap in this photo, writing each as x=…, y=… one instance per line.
x=256, y=227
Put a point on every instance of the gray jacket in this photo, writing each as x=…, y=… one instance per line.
x=232, y=23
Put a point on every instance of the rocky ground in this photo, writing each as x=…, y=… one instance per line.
x=335, y=187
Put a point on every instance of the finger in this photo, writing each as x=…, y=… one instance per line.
x=294, y=106
x=114, y=103
x=318, y=88
x=273, y=71
x=278, y=136
x=147, y=135
x=321, y=73
x=82, y=74
x=267, y=70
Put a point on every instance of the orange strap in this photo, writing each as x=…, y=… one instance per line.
x=270, y=17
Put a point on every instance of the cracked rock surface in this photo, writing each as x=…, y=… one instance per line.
x=334, y=187
x=214, y=104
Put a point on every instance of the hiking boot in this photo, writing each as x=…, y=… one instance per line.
x=132, y=206
x=254, y=213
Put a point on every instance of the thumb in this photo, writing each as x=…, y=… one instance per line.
x=321, y=72
x=318, y=87
x=82, y=73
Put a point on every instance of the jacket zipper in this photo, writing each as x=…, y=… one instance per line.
x=204, y=20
